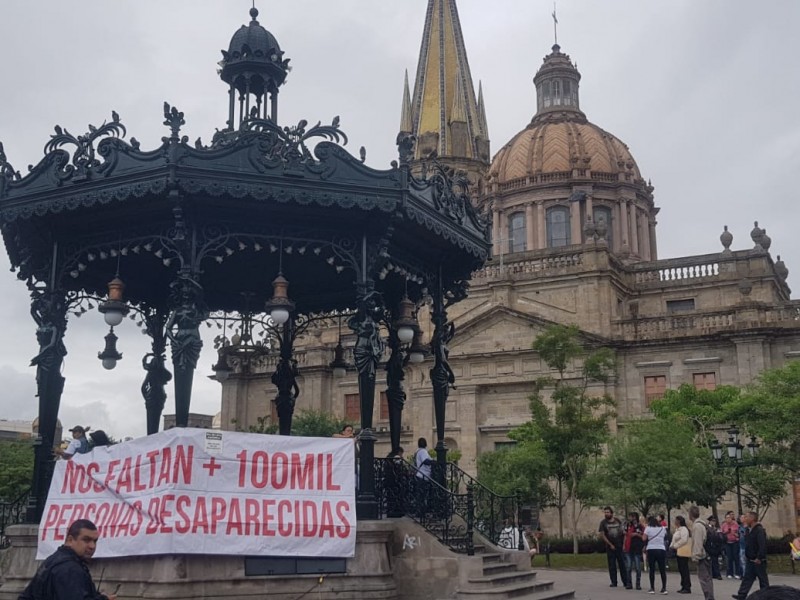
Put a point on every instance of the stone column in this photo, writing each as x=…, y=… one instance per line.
x=495, y=233
x=285, y=379
x=752, y=358
x=645, y=229
x=530, y=228
x=442, y=378
x=625, y=237
x=589, y=206
x=541, y=226
x=576, y=227
x=653, y=246
x=395, y=393
x=634, y=229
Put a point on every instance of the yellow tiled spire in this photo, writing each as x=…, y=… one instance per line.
x=443, y=90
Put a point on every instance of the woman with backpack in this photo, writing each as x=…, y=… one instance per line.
x=655, y=536
x=682, y=544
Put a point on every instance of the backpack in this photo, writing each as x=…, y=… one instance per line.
x=715, y=541
x=40, y=587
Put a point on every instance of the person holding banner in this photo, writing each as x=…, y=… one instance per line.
x=77, y=445
x=64, y=575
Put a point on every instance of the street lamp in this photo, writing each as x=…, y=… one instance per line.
x=735, y=457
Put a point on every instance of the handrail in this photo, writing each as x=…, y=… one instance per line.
x=496, y=516
x=12, y=513
x=402, y=490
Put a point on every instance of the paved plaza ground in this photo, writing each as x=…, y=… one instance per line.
x=593, y=585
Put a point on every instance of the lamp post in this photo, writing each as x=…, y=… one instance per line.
x=735, y=457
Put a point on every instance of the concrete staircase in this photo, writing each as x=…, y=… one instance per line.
x=503, y=578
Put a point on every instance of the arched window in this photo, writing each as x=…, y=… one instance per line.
x=603, y=214
x=516, y=232
x=558, y=227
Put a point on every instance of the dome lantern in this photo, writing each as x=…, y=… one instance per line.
x=254, y=68
x=557, y=83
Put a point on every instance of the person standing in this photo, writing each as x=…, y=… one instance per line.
x=655, y=535
x=699, y=555
x=682, y=544
x=742, y=537
x=423, y=463
x=64, y=575
x=612, y=532
x=715, y=546
x=730, y=529
x=633, y=548
x=755, y=552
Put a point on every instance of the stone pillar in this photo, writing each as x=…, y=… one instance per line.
x=530, y=228
x=285, y=379
x=625, y=238
x=589, y=206
x=576, y=227
x=395, y=393
x=752, y=358
x=154, y=363
x=634, y=229
x=541, y=226
x=653, y=246
x=495, y=233
x=645, y=229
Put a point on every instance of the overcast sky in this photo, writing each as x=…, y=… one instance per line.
x=705, y=94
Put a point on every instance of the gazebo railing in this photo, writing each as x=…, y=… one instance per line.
x=401, y=490
x=12, y=513
x=495, y=517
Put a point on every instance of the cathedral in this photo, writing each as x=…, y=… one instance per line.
x=574, y=242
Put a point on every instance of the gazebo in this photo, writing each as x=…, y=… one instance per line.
x=263, y=219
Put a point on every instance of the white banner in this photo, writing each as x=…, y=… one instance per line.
x=195, y=491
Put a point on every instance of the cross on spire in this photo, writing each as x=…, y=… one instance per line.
x=555, y=24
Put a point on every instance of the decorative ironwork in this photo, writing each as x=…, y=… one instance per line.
x=7, y=172
x=495, y=516
x=155, y=365
x=12, y=513
x=403, y=491
x=173, y=118
x=84, y=159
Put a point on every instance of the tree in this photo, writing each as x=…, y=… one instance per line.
x=572, y=425
x=521, y=469
x=770, y=410
x=16, y=468
x=656, y=463
x=307, y=422
x=704, y=409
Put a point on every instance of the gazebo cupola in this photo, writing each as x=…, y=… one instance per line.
x=253, y=67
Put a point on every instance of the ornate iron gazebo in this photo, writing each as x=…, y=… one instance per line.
x=182, y=230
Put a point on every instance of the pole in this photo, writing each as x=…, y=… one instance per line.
x=738, y=490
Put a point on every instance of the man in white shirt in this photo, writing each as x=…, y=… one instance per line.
x=423, y=463
x=77, y=445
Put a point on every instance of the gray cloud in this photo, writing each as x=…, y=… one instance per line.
x=704, y=93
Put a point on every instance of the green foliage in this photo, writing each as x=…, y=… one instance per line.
x=521, y=469
x=657, y=463
x=16, y=468
x=307, y=422
x=453, y=455
x=770, y=409
x=558, y=346
x=702, y=408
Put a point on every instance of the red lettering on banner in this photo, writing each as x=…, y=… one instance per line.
x=137, y=512
x=234, y=517
x=152, y=512
x=217, y=512
x=110, y=475
x=326, y=521
x=166, y=464
x=242, y=458
x=329, y=485
x=166, y=512
x=200, y=520
x=284, y=525
x=184, y=524
x=61, y=523
x=91, y=472
x=183, y=464
x=110, y=528
x=77, y=513
x=50, y=520
x=259, y=471
x=267, y=518
x=251, y=517
x=152, y=456
x=342, y=508
x=310, y=518
x=319, y=471
x=125, y=521
x=138, y=486
x=102, y=511
x=280, y=474
x=124, y=479
x=302, y=476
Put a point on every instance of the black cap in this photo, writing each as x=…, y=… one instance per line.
x=77, y=428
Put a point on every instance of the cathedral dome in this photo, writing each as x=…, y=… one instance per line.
x=560, y=144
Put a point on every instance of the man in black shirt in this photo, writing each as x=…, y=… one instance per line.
x=64, y=575
x=613, y=534
x=755, y=551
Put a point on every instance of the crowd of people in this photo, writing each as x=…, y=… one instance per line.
x=741, y=543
